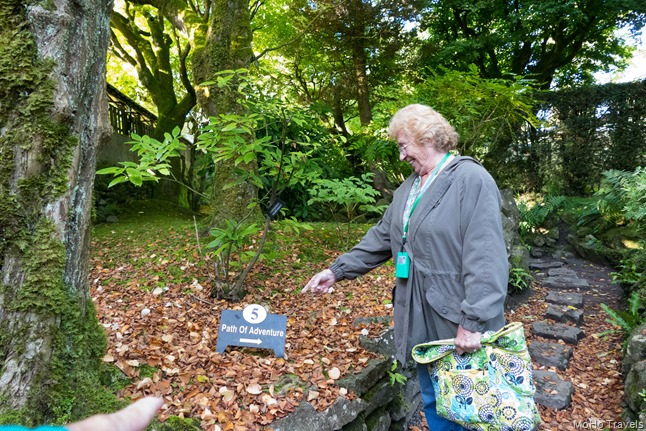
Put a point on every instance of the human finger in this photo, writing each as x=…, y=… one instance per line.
x=309, y=287
x=135, y=417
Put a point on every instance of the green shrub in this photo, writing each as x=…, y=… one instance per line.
x=352, y=197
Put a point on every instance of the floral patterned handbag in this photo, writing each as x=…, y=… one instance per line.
x=489, y=389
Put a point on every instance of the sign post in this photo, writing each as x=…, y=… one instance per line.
x=252, y=327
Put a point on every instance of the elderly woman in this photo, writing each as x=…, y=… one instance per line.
x=444, y=228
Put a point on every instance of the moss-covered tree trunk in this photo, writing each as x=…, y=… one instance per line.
x=53, y=115
x=227, y=47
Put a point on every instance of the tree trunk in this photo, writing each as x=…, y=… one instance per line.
x=53, y=114
x=228, y=47
x=363, y=93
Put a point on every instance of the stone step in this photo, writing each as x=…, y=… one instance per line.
x=565, y=298
x=558, y=331
x=561, y=283
x=564, y=313
x=562, y=272
x=542, y=265
x=550, y=354
x=551, y=390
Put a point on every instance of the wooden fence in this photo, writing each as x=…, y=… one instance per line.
x=127, y=117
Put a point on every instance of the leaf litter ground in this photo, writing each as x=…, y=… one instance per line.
x=151, y=288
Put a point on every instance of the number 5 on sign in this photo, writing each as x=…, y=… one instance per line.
x=252, y=328
x=254, y=313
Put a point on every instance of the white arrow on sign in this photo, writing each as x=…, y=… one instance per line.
x=251, y=340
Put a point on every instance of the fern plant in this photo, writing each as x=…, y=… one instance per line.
x=626, y=320
x=533, y=217
x=519, y=279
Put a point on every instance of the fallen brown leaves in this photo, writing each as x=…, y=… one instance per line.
x=153, y=300
x=162, y=332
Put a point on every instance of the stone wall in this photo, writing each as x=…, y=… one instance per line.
x=634, y=371
x=378, y=406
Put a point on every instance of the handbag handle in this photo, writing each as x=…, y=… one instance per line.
x=425, y=353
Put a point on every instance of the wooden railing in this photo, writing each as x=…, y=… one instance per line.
x=127, y=117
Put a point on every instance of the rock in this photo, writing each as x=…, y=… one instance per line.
x=563, y=314
x=111, y=219
x=634, y=384
x=565, y=298
x=562, y=255
x=357, y=425
x=379, y=421
x=361, y=382
x=562, y=272
x=405, y=405
x=510, y=218
x=551, y=391
x=635, y=348
x=536, y=253
x=384, y=344
x=380, y=395
x=542, y=265
x=517, y=253
x=550, y=354
x=306, y=418
x=557, y=331
x=565, y=283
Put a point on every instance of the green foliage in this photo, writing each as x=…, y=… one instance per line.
x=622, y=201
x=351, y=194
x=154, y=158
x=534, y=216
x=588, y=130
x=396, y=377
x=626, y=320
x=631, y=272
x=543, y=40
x=519, y=279
x=483, y=111
x=354, y=197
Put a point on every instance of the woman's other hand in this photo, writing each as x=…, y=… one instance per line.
x=467, y=341
x=321, y=282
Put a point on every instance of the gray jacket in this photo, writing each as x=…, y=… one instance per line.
x=459, y=268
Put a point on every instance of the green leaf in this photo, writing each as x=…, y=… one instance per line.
x=118, y=180
x=134, y=176
x=249, y=157
x=110, y=170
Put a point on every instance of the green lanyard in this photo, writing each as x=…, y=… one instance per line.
x=437, y=168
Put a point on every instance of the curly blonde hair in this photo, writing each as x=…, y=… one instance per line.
x=425, y=125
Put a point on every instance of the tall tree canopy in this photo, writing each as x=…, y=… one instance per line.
x=349, y=50
x=157, y=47
x=551, y=41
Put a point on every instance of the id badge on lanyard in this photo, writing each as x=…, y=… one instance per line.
x=402, y=266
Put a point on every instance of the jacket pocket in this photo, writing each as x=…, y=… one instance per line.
x=445, y=306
